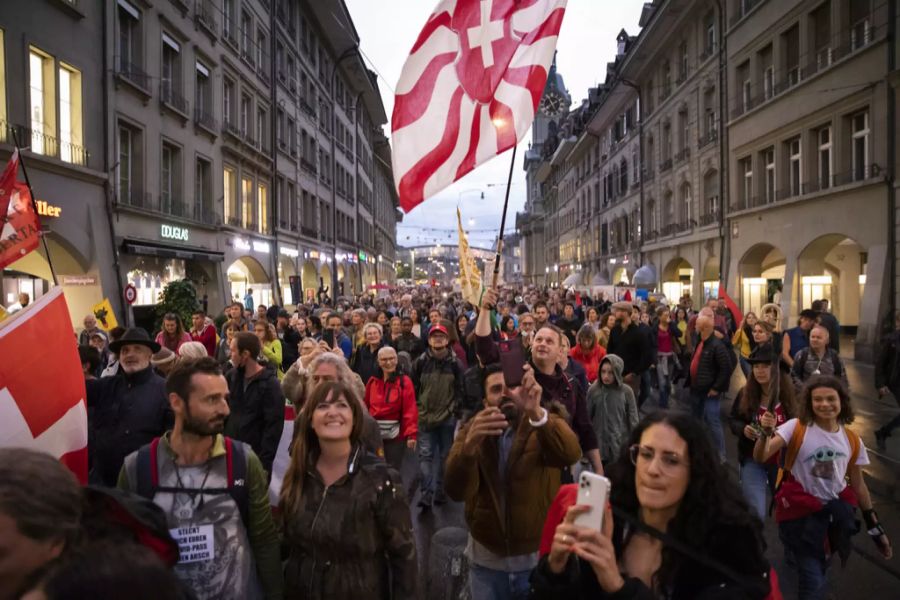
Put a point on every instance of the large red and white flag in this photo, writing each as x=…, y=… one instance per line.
x=20, y=228
x=42, y=404
x=282, y=455
x=469, y=89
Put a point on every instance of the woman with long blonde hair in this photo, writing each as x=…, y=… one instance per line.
x=345, y=515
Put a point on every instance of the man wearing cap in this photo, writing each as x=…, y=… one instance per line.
x=437, y=377
x=127, y=410
x=629, y=342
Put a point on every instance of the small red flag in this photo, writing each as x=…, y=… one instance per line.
x=20, y=228
x=43, y=413
x=731, y=304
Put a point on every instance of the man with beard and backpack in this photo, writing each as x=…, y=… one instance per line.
x=212, y=490
x=255, y=399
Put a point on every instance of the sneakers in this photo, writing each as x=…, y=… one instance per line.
x=440, y=498
x=881, y=437
x=426, y=500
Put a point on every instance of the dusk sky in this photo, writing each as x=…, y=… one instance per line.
x=388, y=28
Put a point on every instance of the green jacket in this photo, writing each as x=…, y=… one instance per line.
x=222, y=512
x=439, y=388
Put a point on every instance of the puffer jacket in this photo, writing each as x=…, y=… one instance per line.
x=257, y=413
x=714, y=369
x=439, y=388
x=365, y=363
x=613, y=410
x=352, y=539
x=590, y=361
x=394, y=400
x=506, y=514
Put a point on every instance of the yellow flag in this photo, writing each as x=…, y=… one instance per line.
x=3, y=313
x=469, y=275
x=106, y=318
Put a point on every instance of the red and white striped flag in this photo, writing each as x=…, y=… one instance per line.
x=20, y=228
x=42, y=405
x=469, y=89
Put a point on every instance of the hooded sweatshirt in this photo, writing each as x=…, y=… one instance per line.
x=612, y=409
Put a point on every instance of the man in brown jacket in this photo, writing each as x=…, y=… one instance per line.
x=505, y=464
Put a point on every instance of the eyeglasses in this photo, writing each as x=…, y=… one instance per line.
x=669, y=461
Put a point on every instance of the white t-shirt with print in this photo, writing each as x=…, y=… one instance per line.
x=821, y=464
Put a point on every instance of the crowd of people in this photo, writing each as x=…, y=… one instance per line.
x=196, y=494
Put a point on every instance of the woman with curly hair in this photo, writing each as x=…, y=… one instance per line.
x=762, y=393
x=678, y=528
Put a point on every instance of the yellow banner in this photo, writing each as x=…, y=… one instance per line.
x=469, y=275
x=106, y=318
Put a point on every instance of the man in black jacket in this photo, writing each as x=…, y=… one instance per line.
x=128, y=410
x=255, y=400
x=709, y=376
x=628, y=341
x=887, y=379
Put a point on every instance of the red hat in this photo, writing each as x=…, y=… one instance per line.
x=438, y=329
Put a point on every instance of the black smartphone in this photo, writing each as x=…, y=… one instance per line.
x=512, y=359
x=328, y=337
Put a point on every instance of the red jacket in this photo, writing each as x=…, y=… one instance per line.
x=394, y=400
x=590, y=362
x=207, y=337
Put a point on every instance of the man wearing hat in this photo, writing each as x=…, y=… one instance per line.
x=127, y=410
x=437, y=377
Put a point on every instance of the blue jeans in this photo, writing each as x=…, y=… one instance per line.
x=665, y=385
x=745, y=366
x=755, y=485
x=488, y=584
x=645, y=388
x=707, y=408
x=812, y=575
x=434, y=446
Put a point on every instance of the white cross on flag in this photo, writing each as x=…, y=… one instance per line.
x=469, y=89
x=42, y=396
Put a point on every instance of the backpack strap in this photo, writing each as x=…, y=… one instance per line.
x=147, y=470
x=855, y=443
x=236, y=464
x=793, y=448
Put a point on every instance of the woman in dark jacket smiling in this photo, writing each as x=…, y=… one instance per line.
x=667, y=483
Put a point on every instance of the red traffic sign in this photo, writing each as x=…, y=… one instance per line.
x=130, y=293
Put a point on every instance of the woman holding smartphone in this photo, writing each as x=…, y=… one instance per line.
x=681, y=531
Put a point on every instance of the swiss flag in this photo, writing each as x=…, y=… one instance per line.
x=42, y=403
x=282, y=455
x=20, y=228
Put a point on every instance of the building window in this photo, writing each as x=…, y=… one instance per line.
x=745, y=85
x=768, y=157
x=825, y=166
x=71, y=147
x=860, y=27
x=745, y=167
x=790, y=48
x=244, y=122
x=230, y=201
x=794, y=163
x=709, y=38
x=129, y=185
x=683, y=64
x=685, y=126
x=261, y=51
x=246, y=202
x=203, y=190
x=171, y=70
x=228, y=100
x=129, y=42
x=769, y=82
x=860, y=149
x=170, y=179
x=228, y=18
x=686, y=205
x=261, y=129
x=203, y=94
x=43, y=100
x=246, y=36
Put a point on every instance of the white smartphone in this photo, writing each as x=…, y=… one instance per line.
x=593, y=491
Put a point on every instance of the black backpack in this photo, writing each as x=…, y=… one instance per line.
x=147, y=484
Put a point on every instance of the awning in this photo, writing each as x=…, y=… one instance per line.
x=573, y=280
x=150, y=249
x=645, y=276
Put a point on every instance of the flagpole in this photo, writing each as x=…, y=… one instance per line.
x=512, y=165
x=34, y=204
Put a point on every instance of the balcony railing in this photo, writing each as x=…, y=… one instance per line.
x=231, y=129
x=172, y=99
x=307, y=108
x=204, y=119
x=134, y=75
x=683, y=155
x=46, y=145
x=709, y=218
x=308, y=165
x=205, y=16
x=711, y=137
x=707, y=52
x=665, y=165
x=169, y=206
x=309, y=231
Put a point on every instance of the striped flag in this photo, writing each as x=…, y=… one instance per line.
x=469, y=275
x=469, y=89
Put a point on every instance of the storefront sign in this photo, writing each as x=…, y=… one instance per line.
x=173, y=232
x=289, y=252
x=362, y=256
x=47, y=210
x=78, y=280
x=261, y=247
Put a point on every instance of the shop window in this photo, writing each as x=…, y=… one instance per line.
x=43, y=102
x=71, y=148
